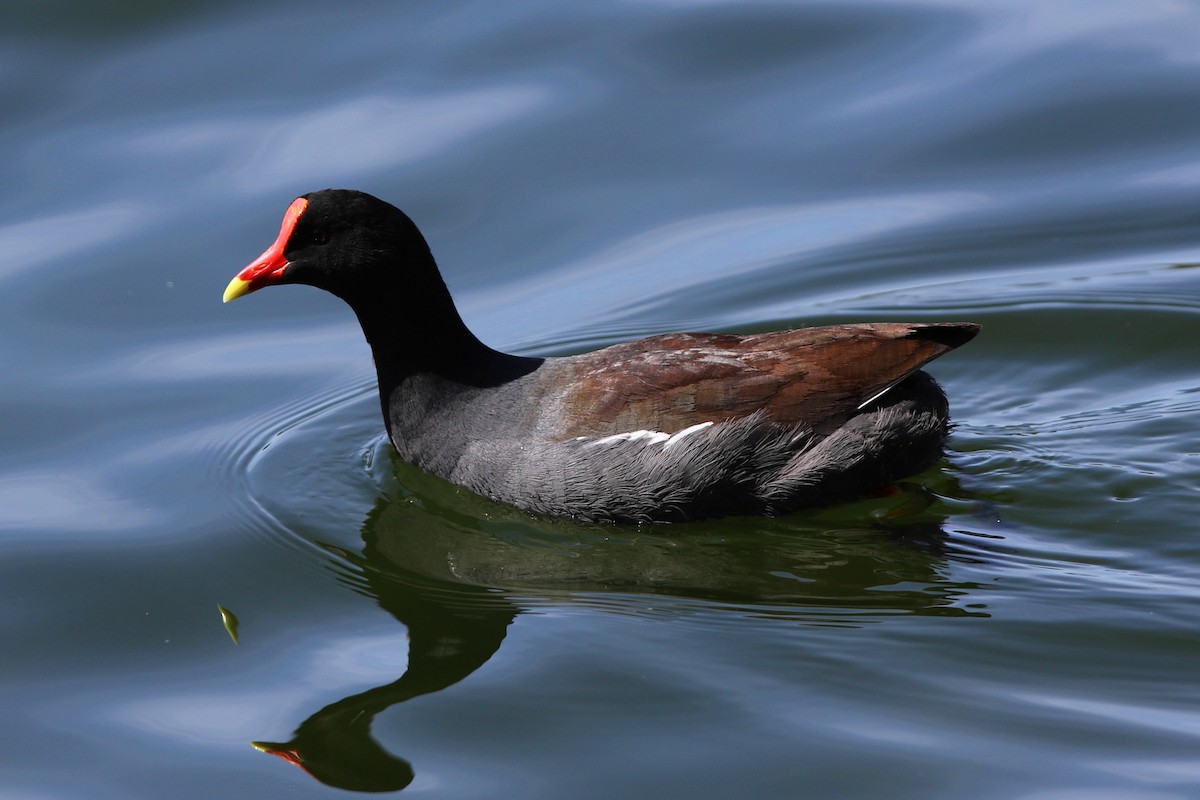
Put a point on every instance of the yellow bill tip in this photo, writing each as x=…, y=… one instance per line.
x=236, y=288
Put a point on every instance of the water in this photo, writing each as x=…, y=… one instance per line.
x=1020, y=622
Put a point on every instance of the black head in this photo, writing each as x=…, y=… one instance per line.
x=371, y=255
x=346, y=242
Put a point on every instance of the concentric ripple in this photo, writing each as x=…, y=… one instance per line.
x=301, y=472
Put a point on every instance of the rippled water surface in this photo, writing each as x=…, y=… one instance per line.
x=1022, y=621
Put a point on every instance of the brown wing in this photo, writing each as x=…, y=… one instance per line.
x=815, y=376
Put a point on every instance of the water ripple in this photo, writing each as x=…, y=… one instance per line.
x=300, y=467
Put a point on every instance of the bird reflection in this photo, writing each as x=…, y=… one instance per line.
x=456, y=571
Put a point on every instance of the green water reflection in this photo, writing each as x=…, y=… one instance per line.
x=456, y=571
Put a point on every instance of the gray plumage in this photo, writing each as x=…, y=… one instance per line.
x=744, y=466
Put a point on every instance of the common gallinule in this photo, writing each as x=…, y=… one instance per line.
x=672, y=427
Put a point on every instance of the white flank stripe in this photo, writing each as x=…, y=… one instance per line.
x=676, y=437
x=877, y=395
x=652, y=437
x=648, y=437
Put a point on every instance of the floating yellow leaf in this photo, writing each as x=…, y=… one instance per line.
x=231, y=622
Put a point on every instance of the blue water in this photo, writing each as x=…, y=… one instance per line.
x=1019, y=622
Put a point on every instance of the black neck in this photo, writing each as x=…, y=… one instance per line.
x=414, y=329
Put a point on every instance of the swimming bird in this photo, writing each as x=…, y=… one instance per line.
x=673, y=427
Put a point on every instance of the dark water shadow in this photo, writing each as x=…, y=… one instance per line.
x=456, y=571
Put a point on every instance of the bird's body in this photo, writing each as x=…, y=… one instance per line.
x=672, y=427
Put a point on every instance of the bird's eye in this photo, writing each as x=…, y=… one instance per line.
x=321, y=237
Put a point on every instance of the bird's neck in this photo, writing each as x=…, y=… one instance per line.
x=415, y=331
